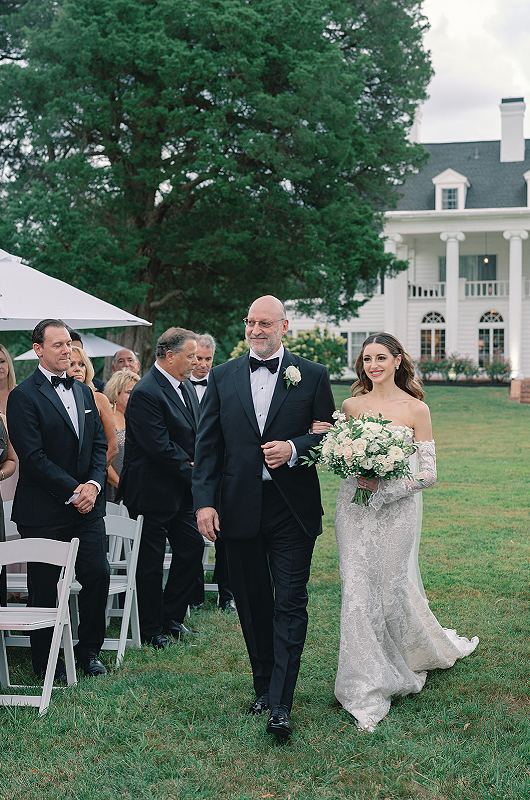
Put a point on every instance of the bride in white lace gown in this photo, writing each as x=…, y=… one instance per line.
x=389, y=636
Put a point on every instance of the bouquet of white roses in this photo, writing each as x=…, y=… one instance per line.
x=364, y=446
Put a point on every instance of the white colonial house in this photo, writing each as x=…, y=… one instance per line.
x=462, y=225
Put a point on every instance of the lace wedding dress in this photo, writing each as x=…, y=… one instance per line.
x=389, y=636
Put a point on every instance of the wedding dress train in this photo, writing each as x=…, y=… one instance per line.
x=389, y=636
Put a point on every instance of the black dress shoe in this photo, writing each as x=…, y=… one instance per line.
x=91, y=665
x=159, y=641
x=177, y=630
x=60, y=675
x=227, y=605
x=279, y=724
x=260, y=704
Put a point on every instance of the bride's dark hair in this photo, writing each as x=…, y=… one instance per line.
x=405, y=377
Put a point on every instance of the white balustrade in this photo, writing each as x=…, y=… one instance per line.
x=487, y=288
x=426, y=290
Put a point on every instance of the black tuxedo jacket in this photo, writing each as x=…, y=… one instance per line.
x=228, y=455
x=159, y=446
x=52, y=459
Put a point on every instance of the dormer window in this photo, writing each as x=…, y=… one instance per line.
x=450, y=188
x=449, y=198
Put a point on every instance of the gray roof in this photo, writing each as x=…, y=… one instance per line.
x=493, y=184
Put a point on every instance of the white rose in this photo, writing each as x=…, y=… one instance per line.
x=292, y=375
x=395, y=453
x=358, y=446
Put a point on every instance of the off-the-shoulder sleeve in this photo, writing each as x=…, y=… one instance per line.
x=389, y=491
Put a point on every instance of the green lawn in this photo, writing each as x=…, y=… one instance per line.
x=171, y=725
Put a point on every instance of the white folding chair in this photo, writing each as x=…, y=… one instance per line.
x=42, y=551
x=128, y=533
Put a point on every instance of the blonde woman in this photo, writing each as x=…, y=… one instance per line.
x=117, y=391
x=8, y=380
x=82, y=370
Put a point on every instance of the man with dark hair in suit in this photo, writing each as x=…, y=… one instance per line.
x=57, y=434
x=161, y=424
x=250, y=488
x=199, y=380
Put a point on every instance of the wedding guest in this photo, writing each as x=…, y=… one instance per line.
x=82, y=370
x=78, y=342
x=161, y=424
x=58, y=437
x=199, y=380
x=126, y=359
x=118, y=389
x=8, y=379
x=8, y=463
x=7, y=384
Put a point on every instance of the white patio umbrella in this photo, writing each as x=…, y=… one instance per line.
x=27, y=296
x=92, y=345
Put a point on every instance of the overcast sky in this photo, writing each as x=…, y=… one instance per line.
x=480, y=51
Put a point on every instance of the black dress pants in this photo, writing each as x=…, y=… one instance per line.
x=268, y=576
x=91, y=570
x=157, y=607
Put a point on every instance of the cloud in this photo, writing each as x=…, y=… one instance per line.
x=475, y=65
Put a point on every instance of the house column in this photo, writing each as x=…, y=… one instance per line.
x=515, y=305
x=396, y=295
x=452, y=241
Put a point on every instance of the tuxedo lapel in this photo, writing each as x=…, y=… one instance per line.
x=80, y=403
x=173, y=396
x=242, y=381
x=281, y=390
x=48, y=391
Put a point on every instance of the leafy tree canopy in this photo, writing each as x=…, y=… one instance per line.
x=181, y=157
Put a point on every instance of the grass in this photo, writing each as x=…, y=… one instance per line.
x=171, y=724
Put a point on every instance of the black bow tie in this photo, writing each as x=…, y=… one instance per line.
x=66, y=382
x=204, y=382
x=271, y=364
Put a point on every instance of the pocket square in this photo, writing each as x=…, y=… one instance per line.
x=88, y=410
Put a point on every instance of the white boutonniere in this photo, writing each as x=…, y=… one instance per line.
x=292, y=376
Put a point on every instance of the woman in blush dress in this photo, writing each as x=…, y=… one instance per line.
x=8, y=464
x=389, y=637
x=117, y=390
x=8, y=382
x=82, y=370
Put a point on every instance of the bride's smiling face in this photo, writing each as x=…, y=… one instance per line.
x=379, y=363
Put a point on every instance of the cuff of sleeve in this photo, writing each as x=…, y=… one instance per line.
x=294, y=455
x=96, y=484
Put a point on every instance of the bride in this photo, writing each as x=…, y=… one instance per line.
x=389, y=637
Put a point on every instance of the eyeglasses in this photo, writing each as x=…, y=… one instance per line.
x=264, y=324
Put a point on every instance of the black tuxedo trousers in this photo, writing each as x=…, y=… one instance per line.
x=268, y=576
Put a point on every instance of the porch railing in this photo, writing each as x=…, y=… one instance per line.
x=487, y=288
x=426, y=290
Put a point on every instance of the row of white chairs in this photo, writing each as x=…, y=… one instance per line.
x=124, y=535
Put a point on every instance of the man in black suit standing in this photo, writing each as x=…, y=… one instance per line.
x=161, y=424
x=199, y=380
x=254, y=427
x=56, y=431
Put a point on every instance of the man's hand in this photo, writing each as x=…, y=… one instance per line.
x=87, y=497
x=208, y=522
x=276, y=454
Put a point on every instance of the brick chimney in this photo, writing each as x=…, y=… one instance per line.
x=512, y=134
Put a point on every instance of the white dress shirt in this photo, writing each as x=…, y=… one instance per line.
x=199, y=389
x=67, y=398
x=173, y=381
x=262, y=385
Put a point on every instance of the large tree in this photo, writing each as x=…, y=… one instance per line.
x=179, y=157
